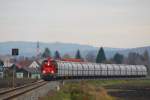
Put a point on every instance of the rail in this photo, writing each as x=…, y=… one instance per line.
x=18, y=91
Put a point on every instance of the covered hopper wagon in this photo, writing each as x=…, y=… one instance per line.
x=56, y=69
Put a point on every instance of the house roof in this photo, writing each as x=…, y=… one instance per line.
x=25, y=63
x=34, y=64
x=32, y=70
x=29, y=66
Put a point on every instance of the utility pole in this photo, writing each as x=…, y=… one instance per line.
x=14, y=71
x=38, y=50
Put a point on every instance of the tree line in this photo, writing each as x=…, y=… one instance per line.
x=47, y=53
x=132, y=58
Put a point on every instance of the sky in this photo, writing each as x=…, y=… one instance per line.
x=109, y=23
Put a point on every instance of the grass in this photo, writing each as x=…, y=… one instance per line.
x=79, y=91
x=92, y=89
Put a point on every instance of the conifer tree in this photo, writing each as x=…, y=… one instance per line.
x=100, y=56
x=78, y=55
x=46, y=53
x=118, y=58
x=57, y=55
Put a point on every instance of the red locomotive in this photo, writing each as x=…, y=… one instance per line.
x=48, y=68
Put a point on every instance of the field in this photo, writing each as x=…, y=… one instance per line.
x=102, y=90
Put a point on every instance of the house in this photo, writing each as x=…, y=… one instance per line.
x=26, y=69
x=29, y=69
x=19, y=71
x=1, y=69
x=34, y=73
x=34, y=64
x=34, y=69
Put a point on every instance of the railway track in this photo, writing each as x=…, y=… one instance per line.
x=103, y=78
x=18, y=91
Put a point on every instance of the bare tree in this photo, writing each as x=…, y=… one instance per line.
x=90, y=57
x=134, y=58
x=146, y=60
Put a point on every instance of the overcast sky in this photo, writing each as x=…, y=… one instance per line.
x=111, y=23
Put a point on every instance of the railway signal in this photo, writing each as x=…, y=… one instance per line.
x=15, y=52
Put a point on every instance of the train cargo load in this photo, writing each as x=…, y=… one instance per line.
x=56, y=69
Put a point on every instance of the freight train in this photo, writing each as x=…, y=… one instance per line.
x=75, y=69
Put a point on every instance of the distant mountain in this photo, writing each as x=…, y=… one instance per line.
x=29, y=48
x=110, y=52
x=139, y=50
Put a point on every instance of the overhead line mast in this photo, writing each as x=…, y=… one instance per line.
x=38, y=50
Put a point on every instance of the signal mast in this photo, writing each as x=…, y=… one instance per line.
x=38, y=50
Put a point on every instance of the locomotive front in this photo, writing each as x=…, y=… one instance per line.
x=48, y=69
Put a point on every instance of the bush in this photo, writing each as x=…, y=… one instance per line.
x=80, y=91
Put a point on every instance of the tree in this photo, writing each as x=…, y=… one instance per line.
x=146, y=60
x=118, y=58
x=46, y=53
x=134, y=58
x=78, y=55
x=100, y=56
x=146, y=56
x=57, y=55
x=90, y=56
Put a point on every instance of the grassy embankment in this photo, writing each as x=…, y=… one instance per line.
x=95, y=90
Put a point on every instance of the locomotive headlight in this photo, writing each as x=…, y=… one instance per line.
x=44, y=72
x=52, y=72
x=48, y=64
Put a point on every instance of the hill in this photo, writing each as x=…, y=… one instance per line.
x=29, y=48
